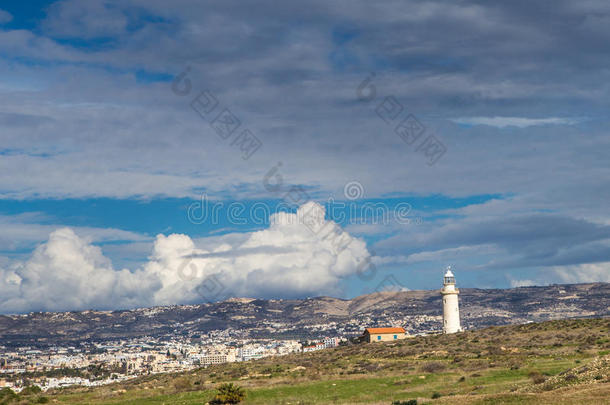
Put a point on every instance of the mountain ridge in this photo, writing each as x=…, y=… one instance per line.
x=419, y=311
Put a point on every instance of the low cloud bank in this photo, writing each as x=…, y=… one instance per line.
x=286, y=260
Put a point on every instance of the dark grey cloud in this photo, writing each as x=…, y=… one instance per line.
x=524, y=240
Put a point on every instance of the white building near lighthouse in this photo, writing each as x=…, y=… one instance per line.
x=451, y=309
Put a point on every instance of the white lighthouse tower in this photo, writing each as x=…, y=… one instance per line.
x=451, y=310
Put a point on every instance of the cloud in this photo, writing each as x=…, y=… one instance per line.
x=23, y=120
x=533, y=236
x=497, y=246
x=276, y=75
x=584, y=273
x=521, y=283
x=76, y=19
x=519, y=122
x=25, y=231
x=285, y=260
x=82, y=118
x=5, y=17
x=573, y=274
x=68, y=273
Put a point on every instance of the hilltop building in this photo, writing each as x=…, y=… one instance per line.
x=451, y=310
x=383, y=334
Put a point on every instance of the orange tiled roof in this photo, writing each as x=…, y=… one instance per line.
x=381, y=331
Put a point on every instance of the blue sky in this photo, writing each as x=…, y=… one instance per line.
x=479, y=130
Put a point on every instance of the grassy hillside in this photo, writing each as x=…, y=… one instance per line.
x=546, y=363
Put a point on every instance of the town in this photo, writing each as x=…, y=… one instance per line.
x=98, y=363
x=92, y=362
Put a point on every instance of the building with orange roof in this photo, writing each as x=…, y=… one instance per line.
x=383, y=334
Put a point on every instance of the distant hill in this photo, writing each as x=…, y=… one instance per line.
x=417, y=311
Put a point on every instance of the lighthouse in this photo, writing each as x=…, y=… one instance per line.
x=451, y=310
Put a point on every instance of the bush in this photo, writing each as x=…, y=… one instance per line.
x=182, y=383
x=31, y=390
x=433, y=367
x=408, y=402
x=436, y=395
x=537, y=378
x=228, y=393
x=7, y=395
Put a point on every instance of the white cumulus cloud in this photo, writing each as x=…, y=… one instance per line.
x=288, y=259
x=67, y=272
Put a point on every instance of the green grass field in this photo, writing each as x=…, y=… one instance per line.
x=547, y=363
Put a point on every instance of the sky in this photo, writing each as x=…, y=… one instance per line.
x=156, y=153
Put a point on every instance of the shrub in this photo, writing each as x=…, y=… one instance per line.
x=228, y=393
x=31, y=390
x=436, y=395
x=433, y=367
x=408, y=402
x=7, y=395
x=182, y=383
x=537, y=378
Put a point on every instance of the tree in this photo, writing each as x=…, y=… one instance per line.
x=228, y=393
x=7, y=395
x=31, y=390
